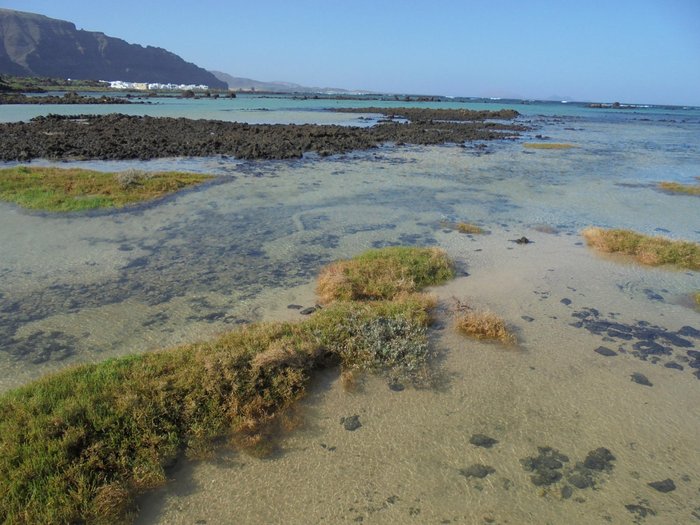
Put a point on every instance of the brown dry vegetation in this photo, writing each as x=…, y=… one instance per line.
x=466, y=227
x=483, y=325
x=675, y=187
x=645, y=249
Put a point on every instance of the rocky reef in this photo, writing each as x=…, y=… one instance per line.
x=119, y=136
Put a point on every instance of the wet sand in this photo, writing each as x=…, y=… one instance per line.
x=403, y=464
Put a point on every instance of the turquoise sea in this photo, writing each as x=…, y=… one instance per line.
x=85, y=287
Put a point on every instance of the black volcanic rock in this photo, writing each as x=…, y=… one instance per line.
x=36, y=45
x=117, y=136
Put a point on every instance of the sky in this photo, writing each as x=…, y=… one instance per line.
x=643, y=51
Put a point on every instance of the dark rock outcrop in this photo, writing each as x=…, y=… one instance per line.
x=116, y=136
x=36, y=45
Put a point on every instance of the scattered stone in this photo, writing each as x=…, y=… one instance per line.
x=522, y=240
x=477, y=471
x=666, y=485
x=641, y=379
x=565, y=301
x=599, y=459
x=481, y=440
x=566, y=492
x=351, y=423
x=605, y=351
x=294, y=306
x=527, y=318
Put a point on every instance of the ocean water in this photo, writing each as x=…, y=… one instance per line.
x=84, y=287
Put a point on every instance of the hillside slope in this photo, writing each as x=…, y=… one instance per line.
x=36, y=45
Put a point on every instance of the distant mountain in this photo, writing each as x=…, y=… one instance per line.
x=248, y=84
x=36, y=45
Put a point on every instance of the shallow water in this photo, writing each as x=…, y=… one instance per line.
x=84, y=287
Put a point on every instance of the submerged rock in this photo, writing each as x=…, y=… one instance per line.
x=481, y=440
x=641, y=379
x=604, y=351
x=546, y=466
x=599, y=459
x=666, y=485
x=477, y=470
x=351, y=423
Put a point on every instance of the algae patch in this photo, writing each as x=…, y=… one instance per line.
x=74, y=189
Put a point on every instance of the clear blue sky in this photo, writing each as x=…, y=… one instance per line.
x=645, y=51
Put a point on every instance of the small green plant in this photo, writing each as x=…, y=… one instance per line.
x=645, y=249
x=696, y=297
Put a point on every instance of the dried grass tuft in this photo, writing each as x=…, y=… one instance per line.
x=652, y=251
x=484, y=325
x=466, y=227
